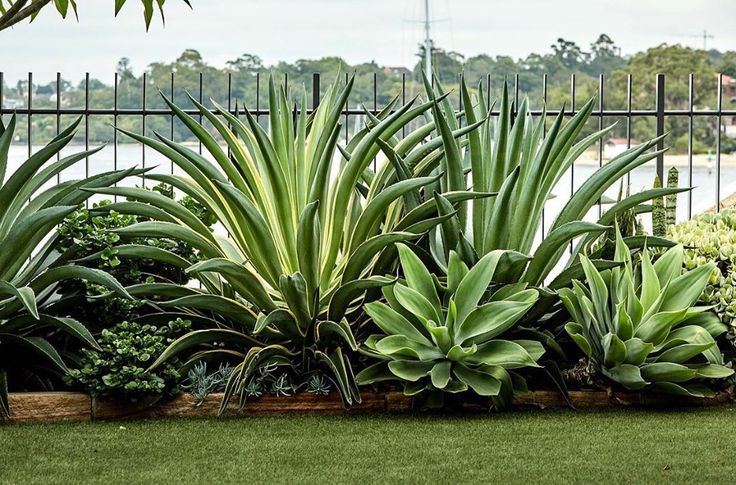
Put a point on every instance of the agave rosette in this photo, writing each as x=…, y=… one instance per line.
x=446, y=336
x=518, y=157
x=638, y=325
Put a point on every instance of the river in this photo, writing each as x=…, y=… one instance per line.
x=703, y=195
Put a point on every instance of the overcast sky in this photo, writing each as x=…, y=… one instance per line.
x=357, y=30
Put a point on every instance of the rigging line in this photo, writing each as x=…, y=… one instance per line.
x=452, y=29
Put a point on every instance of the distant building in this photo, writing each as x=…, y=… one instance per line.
x=616, y=146
x=729, y=89
x=397, y=71
x=729, y=99
x=11, y=103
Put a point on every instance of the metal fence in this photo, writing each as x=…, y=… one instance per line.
x=658, y=113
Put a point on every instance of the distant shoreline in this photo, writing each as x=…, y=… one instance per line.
x=589, y=158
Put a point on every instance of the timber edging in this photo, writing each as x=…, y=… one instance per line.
x=71, y=406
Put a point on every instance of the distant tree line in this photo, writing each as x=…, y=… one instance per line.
x=564, y=60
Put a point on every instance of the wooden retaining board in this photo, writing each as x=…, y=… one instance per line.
x=28, y=407
x=70, y=406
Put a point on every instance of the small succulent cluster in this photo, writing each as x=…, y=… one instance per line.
x=318, y=385
x=268, y=381
x=118, y=366
x=201, y=383
x=712, y=238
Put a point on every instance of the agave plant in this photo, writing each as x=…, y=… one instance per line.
x=448, y=340
x=301, y=235
x=521, y=159
x=30, y=265
x=638, y=326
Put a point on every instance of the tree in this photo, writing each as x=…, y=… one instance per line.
x=94, y=85
x=190, y=59
x=604, y=56
x=125, y=69
x=247, y=63
x=569, y=53
x=15, y=11
x=727, y=64
x=677, y=63
x=22, y=87
x=445, y=64
x=476, y=68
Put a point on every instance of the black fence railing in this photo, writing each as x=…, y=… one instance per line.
x=658, y=113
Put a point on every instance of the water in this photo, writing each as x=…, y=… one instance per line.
x=704, y=179
x=703, y=196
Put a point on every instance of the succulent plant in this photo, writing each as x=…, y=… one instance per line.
x=638, y=326
x=201, y=383
x=318, y=385
x=711, y=238
x=449, y=340
x=673, y=177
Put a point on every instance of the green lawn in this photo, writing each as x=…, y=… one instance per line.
x=621, y=446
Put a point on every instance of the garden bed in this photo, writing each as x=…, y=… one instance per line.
x=71, y=406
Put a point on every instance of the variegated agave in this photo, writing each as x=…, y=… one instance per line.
x=638, y=326
x=520, y=159
x=446, y=336
x=30, y=264
x=302, y=236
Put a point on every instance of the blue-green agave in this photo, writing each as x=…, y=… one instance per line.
x=638, y=326
x=445, y=336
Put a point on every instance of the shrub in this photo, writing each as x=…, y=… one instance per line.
x=88, y=235
x=118, y=367
x=711, y=239
x=90, y=232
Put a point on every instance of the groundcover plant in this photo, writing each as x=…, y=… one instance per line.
x=711, y=238
x=31, y=266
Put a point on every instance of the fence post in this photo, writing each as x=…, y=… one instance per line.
x=660, y=125
x=719, y=121
x=315, y=90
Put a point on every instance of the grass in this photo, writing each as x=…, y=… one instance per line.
x=617, y=446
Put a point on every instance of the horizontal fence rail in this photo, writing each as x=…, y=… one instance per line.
x=657, y=114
